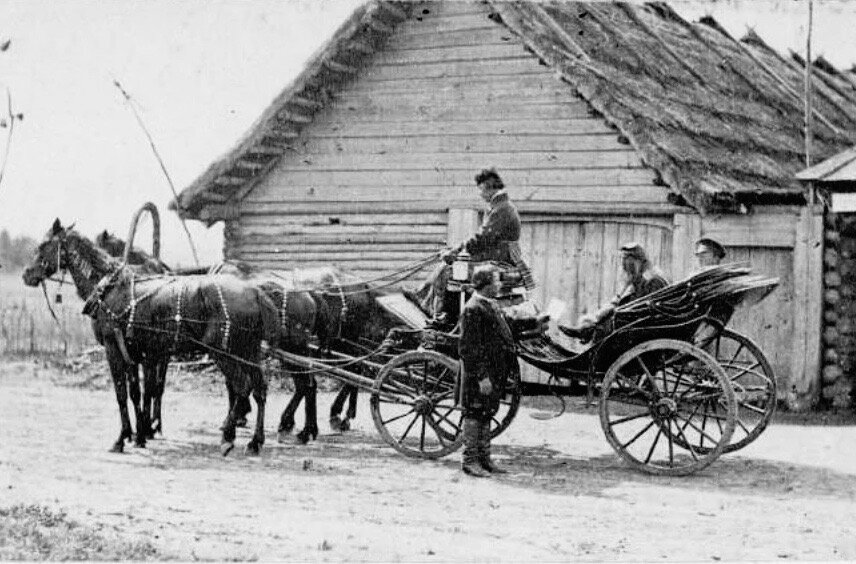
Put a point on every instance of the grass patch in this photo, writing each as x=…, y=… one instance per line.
x=33, y=532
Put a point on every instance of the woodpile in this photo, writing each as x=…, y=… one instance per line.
x=839, y=332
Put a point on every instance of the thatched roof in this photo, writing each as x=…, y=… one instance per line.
x=720, y=119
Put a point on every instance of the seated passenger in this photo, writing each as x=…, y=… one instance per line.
x=497, y=240
x=709, y=253
x=641, y=279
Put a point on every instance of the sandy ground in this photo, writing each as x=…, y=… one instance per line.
x=789, y=495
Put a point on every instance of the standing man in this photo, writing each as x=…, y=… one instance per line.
x=497, y=240
x=486, y=349
x=641, y=278
x=709, y=253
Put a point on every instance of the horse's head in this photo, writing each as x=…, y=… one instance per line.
x=110, y=243
x=51, y=255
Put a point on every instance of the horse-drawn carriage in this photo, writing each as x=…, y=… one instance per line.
x=672, y=398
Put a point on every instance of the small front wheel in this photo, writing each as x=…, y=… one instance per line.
x=414, y=404
x=667, y=407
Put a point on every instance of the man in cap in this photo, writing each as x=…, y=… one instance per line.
x=486, y=349
x=641, y=277
x=497, y=240
x=709, y=252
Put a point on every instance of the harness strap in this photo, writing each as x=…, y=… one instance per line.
x=120, y=341
x=228, y=325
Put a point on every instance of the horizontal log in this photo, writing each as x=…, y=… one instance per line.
x=491, y=147
x=830, y=356
x=558, y=160
x=832, y=236
x=355, y=238
x=390, y=192
x=522, y=64
x=344, y=128
x=539, y=93
x=254, y=213
x=406, y=111
x=558, y=207
x=486, y=34
x=830, y=336
x=274, y=261
x=436, y=54
x=830, y=316
x=476, y=84
x=309, y=245
x=332, y=257
x=832, y=297
x=273, y=229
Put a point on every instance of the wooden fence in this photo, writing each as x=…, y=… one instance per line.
x=26, y=327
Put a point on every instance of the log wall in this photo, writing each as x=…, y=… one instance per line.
x=370, y=181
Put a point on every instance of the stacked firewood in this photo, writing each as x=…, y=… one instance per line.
x=839, y=312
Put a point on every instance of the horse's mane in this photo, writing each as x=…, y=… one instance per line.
x=99, y=259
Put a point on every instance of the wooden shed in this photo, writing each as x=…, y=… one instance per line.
x=609, y=122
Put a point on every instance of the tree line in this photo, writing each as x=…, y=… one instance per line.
x=16, y=252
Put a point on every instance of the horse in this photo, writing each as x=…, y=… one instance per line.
x=143, y=263
x=145, y=319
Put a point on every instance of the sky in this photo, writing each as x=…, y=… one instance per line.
x=201, y=73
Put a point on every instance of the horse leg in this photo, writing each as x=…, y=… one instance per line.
x=141, y=416
x=310, y=425
x=286, y=421
x=157, y=399
x=118, y=371
x=242, y=408
x=352, y=407
x=336, y=408
x=260, y=395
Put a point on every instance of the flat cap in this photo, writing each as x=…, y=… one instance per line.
x=634, y=250
x=708, y=244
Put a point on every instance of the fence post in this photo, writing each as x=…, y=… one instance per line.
x=32, y=334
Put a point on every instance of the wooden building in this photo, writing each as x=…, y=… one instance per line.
x=609, y=122
x=834, y=182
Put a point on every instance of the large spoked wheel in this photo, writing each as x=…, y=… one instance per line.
x=414, y=404
x=754, y=384
x=667, y=408
x=508, y=406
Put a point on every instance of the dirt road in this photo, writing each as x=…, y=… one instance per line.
x=790, y=495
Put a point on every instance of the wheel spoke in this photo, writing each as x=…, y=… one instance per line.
x=637, y=435
x=700, y=431
x=736, y=354
x=751, y=407
x=684, y=438
x=628, y=418
x=671, y=443
x=397, y=417
x=409, y=427
x=746, y=370
x=422, y=435
x=647, y=374
x=654, y=445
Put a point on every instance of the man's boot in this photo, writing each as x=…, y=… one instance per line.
x=484, y=450
x=470, y=464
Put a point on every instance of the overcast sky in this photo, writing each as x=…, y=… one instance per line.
x=202, y=73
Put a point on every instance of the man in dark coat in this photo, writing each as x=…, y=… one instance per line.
x=486, y=349
x=497, y=240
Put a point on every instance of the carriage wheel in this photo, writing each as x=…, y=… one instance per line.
x=753, y=381
x=664, y=390
x=508, y=406
x=414, y=404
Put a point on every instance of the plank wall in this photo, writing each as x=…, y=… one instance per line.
x=368, y=184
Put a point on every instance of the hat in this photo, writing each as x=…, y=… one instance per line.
x=490, y=175
x=635, y=250
x=707, y=244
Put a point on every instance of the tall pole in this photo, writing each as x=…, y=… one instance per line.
x=807, y=118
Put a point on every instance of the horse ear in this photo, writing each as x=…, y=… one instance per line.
x=56, y=228
x=70, y=227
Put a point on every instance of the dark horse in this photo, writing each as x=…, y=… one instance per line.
x=143, y=263
x=144, y=319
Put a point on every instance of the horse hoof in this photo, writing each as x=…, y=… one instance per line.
x=345, y=425
x=282, y=436
x=252, y=449
x=226, y=448
x=139, y=444
x=118, y=447
x=305, y=435
x=335, y=423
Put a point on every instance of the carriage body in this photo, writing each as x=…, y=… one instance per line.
x=666, y=362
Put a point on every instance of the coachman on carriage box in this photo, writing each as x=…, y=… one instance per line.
x=497, y=241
